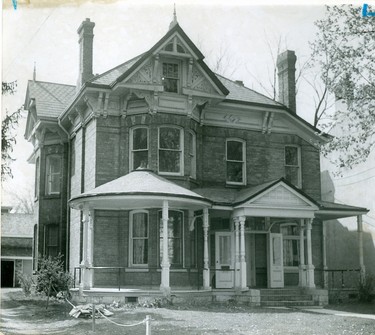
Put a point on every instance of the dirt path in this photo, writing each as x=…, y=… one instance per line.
x=20, y=315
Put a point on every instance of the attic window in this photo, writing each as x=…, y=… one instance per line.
x=170, y=77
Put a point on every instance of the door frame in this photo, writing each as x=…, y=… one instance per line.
x=275, y=271
x=224, y=279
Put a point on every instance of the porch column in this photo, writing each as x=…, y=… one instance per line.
x=206, y=268
x=324, y=251
x=310, y=266
x=165, y=265
x=87, y=252
x=242, y=253
x=237, y=275
x=302, y=267
x=360, y=248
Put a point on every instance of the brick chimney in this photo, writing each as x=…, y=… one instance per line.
x=86, y=36
x=286, y=68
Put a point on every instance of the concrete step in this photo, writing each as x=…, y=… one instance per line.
x=266, y=292
x=285, y=297
x=287, y=303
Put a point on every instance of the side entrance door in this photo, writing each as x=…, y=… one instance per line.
x=275, y=261
x=224, y=259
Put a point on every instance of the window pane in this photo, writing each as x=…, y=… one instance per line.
x=140, y=222
x=140, y=139
x=54, y=163
x=140, y=251
x=291, y=156
x=234, y=172
x=169, y=138
x=169, y=161
x=174, y=246
x=140, y=159
x=291, y=252
x=234, y=151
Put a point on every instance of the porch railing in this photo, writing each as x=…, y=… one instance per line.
x=340, y=278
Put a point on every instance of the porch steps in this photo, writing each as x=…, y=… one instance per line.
x=285, y=297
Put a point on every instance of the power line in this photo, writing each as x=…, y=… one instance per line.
x=356, y=182
x=353, y=175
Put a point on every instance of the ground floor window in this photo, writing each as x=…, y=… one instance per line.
x=291, y=244
x=138, y=238
x=175, y=238
x=51, y=240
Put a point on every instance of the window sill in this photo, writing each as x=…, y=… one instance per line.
x=52, y=196
x=137, y=269
x=174, y=270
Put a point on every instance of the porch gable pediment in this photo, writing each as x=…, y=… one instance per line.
x=281, y=196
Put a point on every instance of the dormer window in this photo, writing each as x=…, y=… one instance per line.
x=170, y=77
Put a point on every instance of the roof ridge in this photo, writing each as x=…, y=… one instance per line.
x=50, y=82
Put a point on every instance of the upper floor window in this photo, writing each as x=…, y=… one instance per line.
x=53, y=174
x=170, y=77
x=170, y=150
x=73, y=157
x=138, y=246
x=139, y=148
x=37, y=173
x=293, y=165
x=193, y=155
x=236, y=162
x=175, y=238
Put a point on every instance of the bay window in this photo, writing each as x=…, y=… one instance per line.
x=170, y=150
x=236, y=163
x=53, y=174
x=139, y=148
x=138, y=244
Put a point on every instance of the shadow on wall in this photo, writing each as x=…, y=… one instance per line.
x=342, y=242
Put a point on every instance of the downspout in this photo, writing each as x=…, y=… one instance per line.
x=68, y=195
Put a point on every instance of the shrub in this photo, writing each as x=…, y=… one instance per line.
x=366, y=289
x=26, y=282
x=51, y=279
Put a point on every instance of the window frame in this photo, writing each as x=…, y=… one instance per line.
x=48, y=175
x=47, y=243
x=181, y=238
x=179, y=76
x=193, y=154
x=131, y=238
x=299, y=172
x=181, y=151
x=287, y=238
x=37, y=178
x=243, y=142
x=131, y=146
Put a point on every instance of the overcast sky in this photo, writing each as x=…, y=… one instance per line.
x=47, y=36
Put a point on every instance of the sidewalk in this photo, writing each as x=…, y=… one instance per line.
x=338, y=313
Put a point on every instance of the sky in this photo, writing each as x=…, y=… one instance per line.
x=45, y=36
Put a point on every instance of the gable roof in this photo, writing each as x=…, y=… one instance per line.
x=51, y=99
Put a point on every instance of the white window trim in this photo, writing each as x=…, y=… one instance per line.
x=290, y=238
x=131, y=151
x=299, y=176
x=131, y=264
x=181, y=172
x=182, y=238
x=179, y=80
x=243, y=160
x=193, y=156
x=48, y=175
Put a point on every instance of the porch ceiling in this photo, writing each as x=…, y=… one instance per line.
x=139, y=189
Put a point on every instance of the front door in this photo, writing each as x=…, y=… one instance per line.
x=224, y=259
x=275, y=261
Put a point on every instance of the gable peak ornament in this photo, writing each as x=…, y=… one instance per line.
x=174, y=21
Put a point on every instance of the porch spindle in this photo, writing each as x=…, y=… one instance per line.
x=164, y=286
x=242, y=253
x=206, y=270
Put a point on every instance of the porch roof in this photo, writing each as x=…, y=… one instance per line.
x=330, y=210
x=139, y=189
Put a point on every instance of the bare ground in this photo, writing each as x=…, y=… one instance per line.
x=22, y=315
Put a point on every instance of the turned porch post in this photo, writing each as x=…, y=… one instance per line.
x=243, y=282
x=87, y=249
x=165, y=265
x=310, y=267
x=360, y=248
x=237, y=275
x=206, y=268
x=302, y=268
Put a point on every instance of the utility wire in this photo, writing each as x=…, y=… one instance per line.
x=353, y=175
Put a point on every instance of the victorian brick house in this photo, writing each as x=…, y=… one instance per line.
x=162, y=174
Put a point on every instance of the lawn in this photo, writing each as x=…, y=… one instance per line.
x=27, y=315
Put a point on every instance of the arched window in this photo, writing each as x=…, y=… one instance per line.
x=236, y=161
x=138, y=238
x=139, y=145
x=170, y=151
